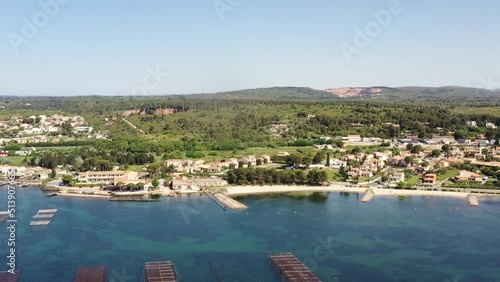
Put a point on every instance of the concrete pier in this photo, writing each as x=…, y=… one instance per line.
x=291, y=269
x=473, y=201
x=225, y=202
x=368, y=196
x=229, y=202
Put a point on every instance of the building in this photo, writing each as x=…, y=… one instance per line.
x=354, y=138
x=430, y=179
x=195, y=184
x=397, y=177
x=490, y=125
x=108, y=177
x=468, y=176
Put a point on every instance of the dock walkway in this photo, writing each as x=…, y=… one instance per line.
x=159, y=271
x=291, y=269
x=43, y=217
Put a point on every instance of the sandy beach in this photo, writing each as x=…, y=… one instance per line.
x=255, y=190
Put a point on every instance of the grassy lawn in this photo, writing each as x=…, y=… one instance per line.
x=333, y=174
x=15, y=160
x=135, y=167
x=413, y=180
x=451, y=173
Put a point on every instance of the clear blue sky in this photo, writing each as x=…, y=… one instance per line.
x=104, y=47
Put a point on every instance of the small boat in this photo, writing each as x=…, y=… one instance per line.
x=25, y=185
x=52, y=195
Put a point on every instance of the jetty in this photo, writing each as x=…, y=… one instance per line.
x=91, y=274
x=43, y=218
x=6, y=276
x=159, y=271
x=225, y=202
x=216, y=271
x=473, y=201
x=44, y=215
x=368, y=196
x=40, y=223
x=291, y=268
x=47, y=211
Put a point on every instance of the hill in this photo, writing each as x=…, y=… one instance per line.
x=272, y=93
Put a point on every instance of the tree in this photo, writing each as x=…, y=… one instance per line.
x=416, y=149
x=328, y=159
x=68, y=180
x=436, y=153
x=409, y=146
x=155, y=183
x=446, y=148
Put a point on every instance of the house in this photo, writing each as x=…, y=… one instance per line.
x=397, y=177
x=490, y=125
x=468, y=176
x=455, y=152
x=365, y=174
x=22, y=153
x=492, y=151
x=354, y=138
x=483, y=143
x=214, y=167
x=195, y=184
x=412, y=137
x=231, y=161
x=472, y=150
x=4, y=153
x=479, y=157
x=430, y=179
x=443, y=140
x=472, y=123
x=265, y=159
x=337, y=164
x=185, y=185
x=108, y=177
x=282, y=154
x=42, y=174
x=80, y=129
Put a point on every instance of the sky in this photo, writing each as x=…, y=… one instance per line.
x=125, y=47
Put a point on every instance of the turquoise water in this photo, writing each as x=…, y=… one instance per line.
x=341, y=239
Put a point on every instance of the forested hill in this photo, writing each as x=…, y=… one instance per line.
x=378, y=93
x=274, y=93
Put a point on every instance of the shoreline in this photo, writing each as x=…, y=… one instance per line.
x=235, y=191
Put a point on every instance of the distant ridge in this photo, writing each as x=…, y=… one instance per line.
x=375, y=93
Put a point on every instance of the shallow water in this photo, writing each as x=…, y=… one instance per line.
x=341, y=239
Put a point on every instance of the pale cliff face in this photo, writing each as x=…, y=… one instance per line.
x=354, y=91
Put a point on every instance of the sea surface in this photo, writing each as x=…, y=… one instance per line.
x=339, y=238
